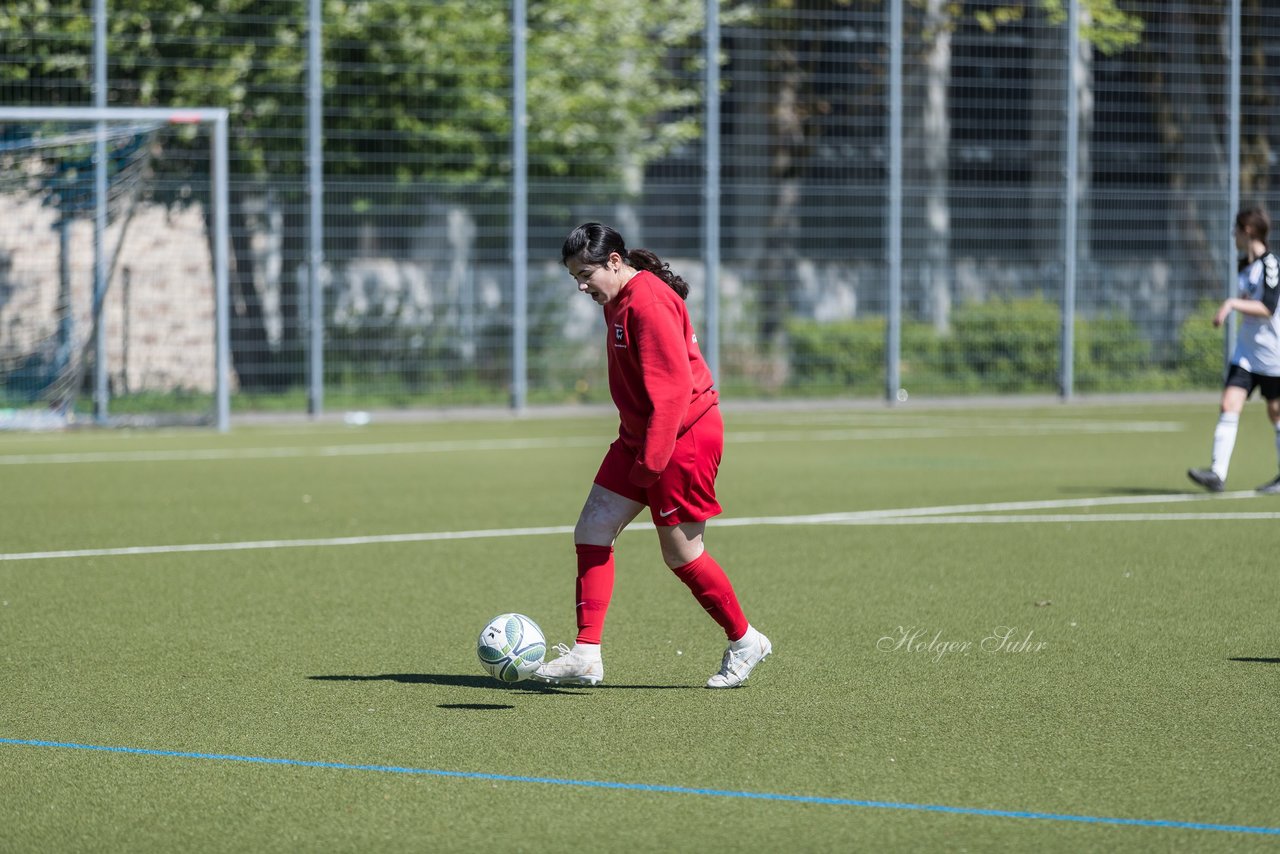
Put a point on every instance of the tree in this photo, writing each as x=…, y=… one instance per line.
x=1191, y=106
x=180, y=53
x=792, y=102
x=414, y=92
x=1103, y=27
x=603, y=101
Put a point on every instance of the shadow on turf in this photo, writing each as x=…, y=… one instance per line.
x=1122, y=490
x=453, y=680
x=1256, y=660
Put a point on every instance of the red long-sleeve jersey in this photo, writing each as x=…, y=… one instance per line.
x=657, y=376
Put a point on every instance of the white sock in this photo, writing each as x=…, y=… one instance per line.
x=1224, y=442
x=589, y=651
x=746, y=640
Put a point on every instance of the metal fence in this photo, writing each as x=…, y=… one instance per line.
x=946, y=198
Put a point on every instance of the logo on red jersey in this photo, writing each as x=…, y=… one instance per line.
x=619, y=335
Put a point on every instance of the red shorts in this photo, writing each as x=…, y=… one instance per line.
x=686, y=489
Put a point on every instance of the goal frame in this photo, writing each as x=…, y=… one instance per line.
x=217, y=119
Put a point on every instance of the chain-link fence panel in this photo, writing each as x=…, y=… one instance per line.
x=1017, y=236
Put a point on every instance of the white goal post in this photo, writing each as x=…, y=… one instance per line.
x=96, y=121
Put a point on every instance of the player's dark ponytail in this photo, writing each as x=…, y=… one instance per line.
x=593, y=243
x=643, y=259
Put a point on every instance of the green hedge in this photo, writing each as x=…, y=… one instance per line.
x=1003, y=346
x=1200, y=356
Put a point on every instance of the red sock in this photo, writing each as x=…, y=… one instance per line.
x=713, y=591
x=595, y=589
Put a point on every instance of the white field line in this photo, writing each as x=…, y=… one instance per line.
x=882, y=432
x=946, y=515
x=320, y=542
x=833, y=419
x=1066, y=518
x=199, y=454
x=870, y=516
x=952, y=430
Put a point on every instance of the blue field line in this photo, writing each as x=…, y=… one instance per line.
x=674, y=790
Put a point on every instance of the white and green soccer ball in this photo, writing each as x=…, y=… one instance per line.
x=511, y=647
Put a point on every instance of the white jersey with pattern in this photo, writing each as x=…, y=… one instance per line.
x=1258, y=338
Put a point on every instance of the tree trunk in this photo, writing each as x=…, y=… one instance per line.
x=1184, y=106
x=1049, y=145
x=936, y=277
x=1258, y=103
x=250, y=348
x=787, y=150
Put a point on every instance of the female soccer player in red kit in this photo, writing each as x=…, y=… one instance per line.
x=666, y=454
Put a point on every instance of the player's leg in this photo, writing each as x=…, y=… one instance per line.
x=684, y=553
x=681, y=502
x=1224, y=434
x=1234, y=393
x=1271, y=392
x=604, y=515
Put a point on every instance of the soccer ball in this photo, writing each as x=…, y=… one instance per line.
x=511, y=647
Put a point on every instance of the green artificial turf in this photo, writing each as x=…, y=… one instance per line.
x=326, y=696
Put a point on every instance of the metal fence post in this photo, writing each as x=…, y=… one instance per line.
x=1066, y=381
x=1233, y=176
x=101, y=390
x=893, y=248
x=519, y=213
x=315, y=255
x=711, y=186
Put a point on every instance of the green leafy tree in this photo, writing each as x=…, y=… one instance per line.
x=414, y=92
x=792, y=101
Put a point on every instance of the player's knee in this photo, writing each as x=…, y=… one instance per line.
x=676, y=555
x=594, y=531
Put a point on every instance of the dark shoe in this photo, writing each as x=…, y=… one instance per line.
x=1209, y=480
x=1271, y=487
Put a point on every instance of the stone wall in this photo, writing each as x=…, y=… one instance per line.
x=163, y=341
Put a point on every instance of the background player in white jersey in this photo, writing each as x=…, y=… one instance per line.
x=1256, y=361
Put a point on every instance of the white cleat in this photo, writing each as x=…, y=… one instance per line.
x=571, y=668
x=740, y=659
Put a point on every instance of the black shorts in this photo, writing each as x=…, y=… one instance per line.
x=1248, y=380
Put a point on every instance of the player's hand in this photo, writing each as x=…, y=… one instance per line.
x=1220, y=317
x=642, y=476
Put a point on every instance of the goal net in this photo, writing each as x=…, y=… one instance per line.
x=112, y=282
